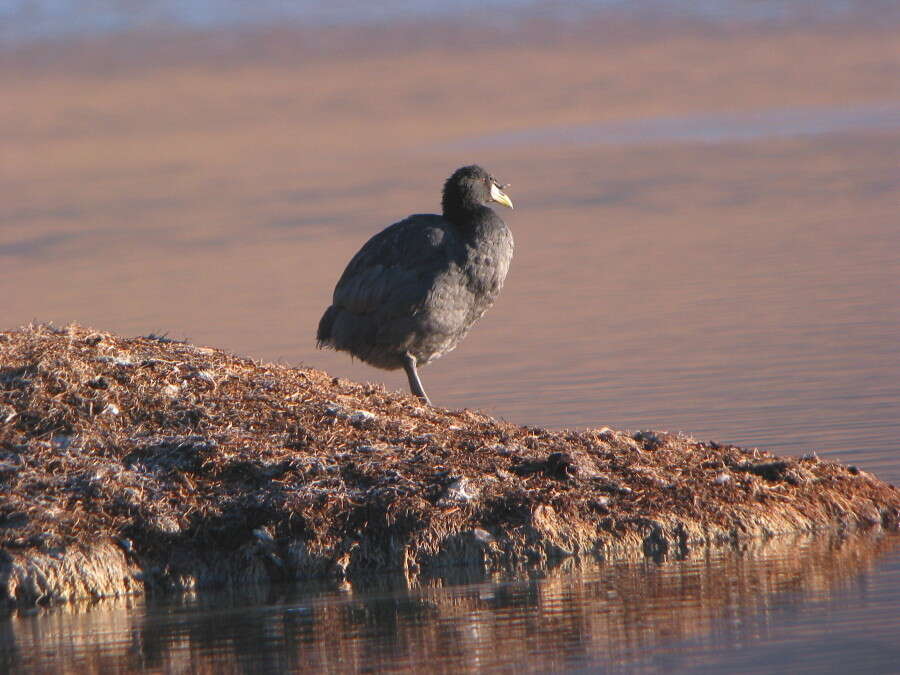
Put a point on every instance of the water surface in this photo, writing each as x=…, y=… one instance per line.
x=22, y=21
x=811, y=605
x=707, y=241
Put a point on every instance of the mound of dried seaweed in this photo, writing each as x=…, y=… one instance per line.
x=129, y=464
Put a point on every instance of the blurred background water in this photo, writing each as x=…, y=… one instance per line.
x=28, y=20
x=706, y=214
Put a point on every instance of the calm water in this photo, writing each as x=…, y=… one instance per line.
x=708, y=240
x=22, y=21
x=809, y=606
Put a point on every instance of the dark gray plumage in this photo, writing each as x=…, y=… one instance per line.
x=413, y=290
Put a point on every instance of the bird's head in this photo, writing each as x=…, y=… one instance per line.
x=472, y=186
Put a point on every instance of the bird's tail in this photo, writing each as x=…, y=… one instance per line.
x=323, y=335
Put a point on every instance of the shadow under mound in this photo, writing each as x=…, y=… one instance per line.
x=142, y=464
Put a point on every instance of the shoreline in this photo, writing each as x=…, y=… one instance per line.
x=140, y=464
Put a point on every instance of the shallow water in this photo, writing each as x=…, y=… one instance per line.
x=707, y=241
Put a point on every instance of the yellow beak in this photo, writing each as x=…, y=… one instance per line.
x=500, y=197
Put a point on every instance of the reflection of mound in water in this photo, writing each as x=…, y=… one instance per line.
x=578, y=612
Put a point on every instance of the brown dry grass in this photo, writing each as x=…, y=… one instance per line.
x=147, y=463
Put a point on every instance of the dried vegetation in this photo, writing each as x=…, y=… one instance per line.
x=145, y=463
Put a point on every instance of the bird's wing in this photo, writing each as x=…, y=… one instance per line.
x=393, y=272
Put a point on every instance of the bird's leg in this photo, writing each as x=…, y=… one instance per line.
x=415, y=384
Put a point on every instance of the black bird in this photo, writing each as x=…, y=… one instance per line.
x=414, y=290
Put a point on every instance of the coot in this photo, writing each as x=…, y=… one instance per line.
x=413, y=291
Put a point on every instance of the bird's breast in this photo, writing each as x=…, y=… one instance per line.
x=488, y=262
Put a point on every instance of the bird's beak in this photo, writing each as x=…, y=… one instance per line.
x=499, y=196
